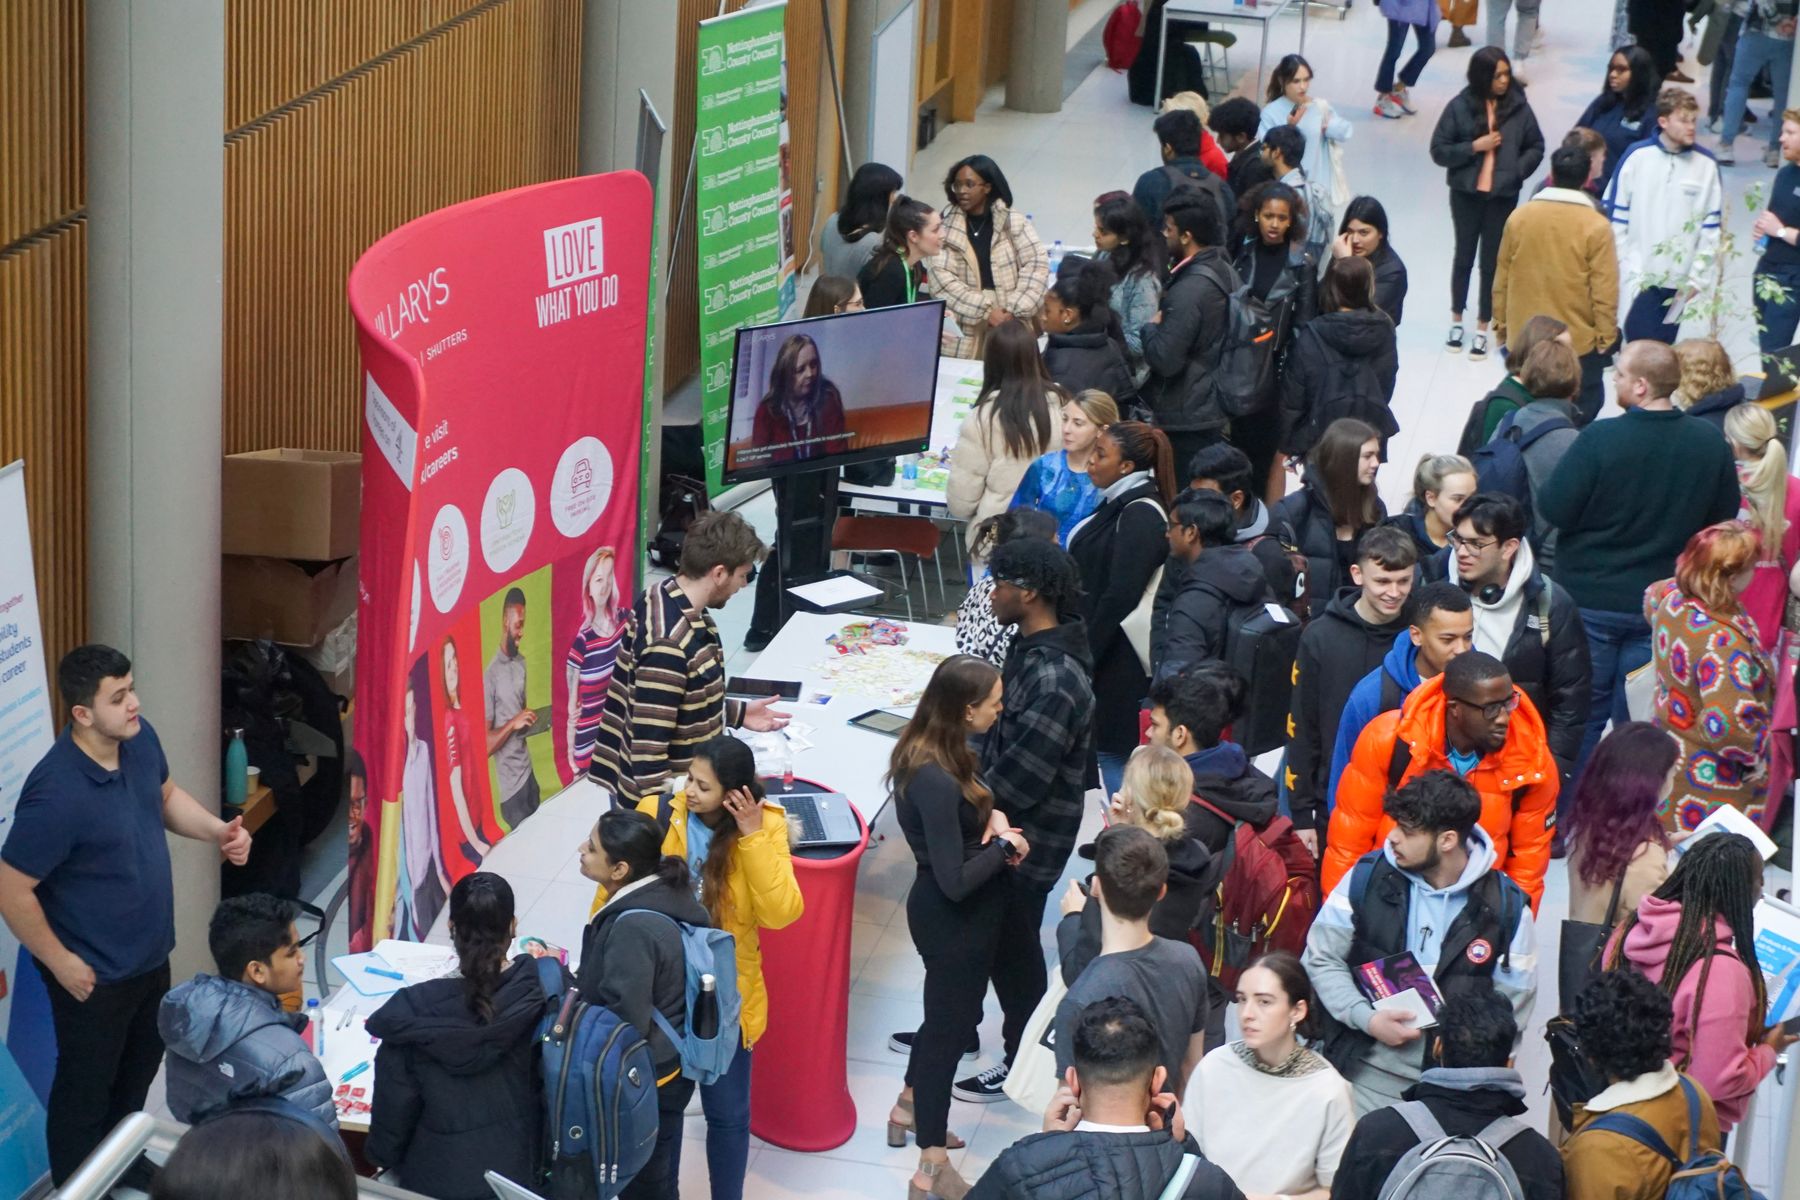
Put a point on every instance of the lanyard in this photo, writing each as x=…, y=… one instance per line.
x=912, y=285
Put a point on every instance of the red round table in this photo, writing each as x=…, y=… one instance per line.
x=799, y=1089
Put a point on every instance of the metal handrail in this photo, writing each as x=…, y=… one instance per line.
x=140, y=1134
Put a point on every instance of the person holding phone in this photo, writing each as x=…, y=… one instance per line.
x=961, y=846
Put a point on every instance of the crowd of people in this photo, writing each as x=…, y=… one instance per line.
x=1577, y=642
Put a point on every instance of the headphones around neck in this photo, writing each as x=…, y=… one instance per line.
x=1488, y=593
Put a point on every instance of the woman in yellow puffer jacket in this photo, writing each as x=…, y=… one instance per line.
x=736, y=847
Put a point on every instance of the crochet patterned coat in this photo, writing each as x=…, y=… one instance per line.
x=1714, y=691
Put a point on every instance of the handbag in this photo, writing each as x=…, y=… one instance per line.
x=1578, y=961
x=1032, y=1081
x=1341, y=195
x=1640, y=692
x=1137, y=622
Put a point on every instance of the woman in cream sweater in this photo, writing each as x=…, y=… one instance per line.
x=1009, y=428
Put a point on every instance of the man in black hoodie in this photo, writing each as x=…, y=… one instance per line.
x=1473, y=1087
x=1036, y=758
x=1183, y=342
x=1223, y=468
x=1339, y=647
x=1218, y=577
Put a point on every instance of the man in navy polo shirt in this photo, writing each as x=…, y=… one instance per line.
x=86, y=887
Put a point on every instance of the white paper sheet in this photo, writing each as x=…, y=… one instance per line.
x=839, y=589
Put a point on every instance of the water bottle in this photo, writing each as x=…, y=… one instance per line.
x=909, y=472
x=706, y=1009
x=315, y=1016
x=1056, y=256
x=782, y=761
x=237, y=770
x=1761, y=243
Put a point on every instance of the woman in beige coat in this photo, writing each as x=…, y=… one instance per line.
x=1010, y=426
x=992, y=266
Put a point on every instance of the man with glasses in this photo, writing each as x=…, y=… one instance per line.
x=1473, y=722
x=1522, y=618
x=1431, y=888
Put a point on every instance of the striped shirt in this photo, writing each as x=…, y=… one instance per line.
x=591, y=656
x=667, y=695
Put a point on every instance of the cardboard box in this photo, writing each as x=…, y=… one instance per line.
x=303, y=504
x=294, y=603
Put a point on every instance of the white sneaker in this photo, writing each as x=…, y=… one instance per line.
x=1772, y=157
x=1387, y=106
x=1403, y=97
x=1725, y=156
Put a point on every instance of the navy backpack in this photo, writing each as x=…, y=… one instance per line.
x=1703, y=1175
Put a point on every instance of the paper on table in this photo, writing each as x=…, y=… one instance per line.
x=1729, y=820
x=418, y=961
x=839, y=589
x=356, y=970
x=1408, y=1001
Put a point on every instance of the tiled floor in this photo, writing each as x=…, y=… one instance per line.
x=1057, y=163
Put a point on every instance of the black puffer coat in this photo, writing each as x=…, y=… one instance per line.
x=1342, y=364
x=1464, y=119
x=1098, y=1166
x=1088, y=357
x=1183, y=348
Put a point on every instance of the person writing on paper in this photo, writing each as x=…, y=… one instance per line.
x=802, y=414
x=1695, y=938
x=1288, y=1114
x=735, y=843
x=1433, y=889
x=86, y=847
x=667, y=693
x=456, y=1077
x=227, y=1035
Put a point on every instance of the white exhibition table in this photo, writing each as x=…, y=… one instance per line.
x=841, y=756
x=1213, y=11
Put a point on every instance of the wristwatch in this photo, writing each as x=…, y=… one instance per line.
x=1008, y=850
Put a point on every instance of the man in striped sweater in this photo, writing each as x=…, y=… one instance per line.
x=668, y=688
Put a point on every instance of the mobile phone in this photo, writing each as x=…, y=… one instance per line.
x=744, y=685
x=1791, y=1025
x=1167, y=1113
x=880, y=720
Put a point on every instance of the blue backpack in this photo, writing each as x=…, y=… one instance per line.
x=1704, y=1175
x=1500, y=465
x=707, y=951
x=599, y=1094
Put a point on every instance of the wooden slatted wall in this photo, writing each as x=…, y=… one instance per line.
x=43, y=298
x=813, y=153
x=348, y=118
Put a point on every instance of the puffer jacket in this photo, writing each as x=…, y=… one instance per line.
x=984, y=475
x=1465, y=118
x=1088, y=357
x=1084, y=1165
x=1342, y=364
x=456, y=1096
x=1183, y=348
x=1227, y=780
x=763, y=895
x=229, y=1041
x=635, y=966
x=1308, y=514
x=1518, y=785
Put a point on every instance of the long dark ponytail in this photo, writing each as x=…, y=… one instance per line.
x=633, y=838
x=481, y=929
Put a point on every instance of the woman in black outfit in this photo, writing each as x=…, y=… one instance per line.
x=1488, y=142
x=1344, y=363
x=1364, y=234
x=1272, y=258
x=456, y=1086
x=1120, y=548
x=1086, y=346
x=1335, y=506
x=895, y=273
x=961, y=845
x=635, y=967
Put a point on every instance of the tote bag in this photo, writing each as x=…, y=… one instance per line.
x=1578, y=959
x=1138, y=621
x=1032, y=1082
x=1341, y=195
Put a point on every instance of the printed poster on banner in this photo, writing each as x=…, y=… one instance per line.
x=743, y=198
x=503, y=343
x=27, y=731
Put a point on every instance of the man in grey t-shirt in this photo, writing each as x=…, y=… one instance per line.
x=503, y=687
x=1165, y=978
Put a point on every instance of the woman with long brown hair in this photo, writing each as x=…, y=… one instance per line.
x=1006, y=431
x=802, y=413
x=1120, y=549
x=960, y=845
x=1337, y=502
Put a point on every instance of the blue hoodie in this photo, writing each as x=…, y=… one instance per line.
x=1364, y=705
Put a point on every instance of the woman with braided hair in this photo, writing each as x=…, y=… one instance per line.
x=1695, y=939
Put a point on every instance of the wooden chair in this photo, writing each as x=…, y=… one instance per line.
x=899, y=536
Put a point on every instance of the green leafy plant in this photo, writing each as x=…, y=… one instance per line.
x=1714, y=301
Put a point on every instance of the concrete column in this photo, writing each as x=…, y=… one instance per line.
x=1034, y=77
x=155, y=181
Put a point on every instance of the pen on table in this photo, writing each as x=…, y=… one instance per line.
x=348, y=1015
x=353, y=1072
x=385, y=974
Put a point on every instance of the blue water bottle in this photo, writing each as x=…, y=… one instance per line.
x=237, y=771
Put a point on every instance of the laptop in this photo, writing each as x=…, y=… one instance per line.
x=1780, y=371
x=819, y=818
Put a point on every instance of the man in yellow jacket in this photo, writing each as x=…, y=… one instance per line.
x=1557, y=259
x=736, y=845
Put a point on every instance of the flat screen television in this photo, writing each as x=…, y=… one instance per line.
x=826, y=392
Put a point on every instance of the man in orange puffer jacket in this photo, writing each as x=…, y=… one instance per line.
x=1471, y=720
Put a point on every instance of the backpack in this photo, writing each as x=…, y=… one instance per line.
x=1204, y=185
x=1704, y=1175
x=599, y=1094
x=1573, y=1077
x=1500, y=464
x=706, y=951
x=1299, y=603
x=1261, y=643
x=681, y=502
x=1121, y=37
x=1268, y=895
x=1442, y=1167
x=1243, y=379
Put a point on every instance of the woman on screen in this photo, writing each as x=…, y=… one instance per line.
x=1006, y=431
x=802, y=414
x=589, y=667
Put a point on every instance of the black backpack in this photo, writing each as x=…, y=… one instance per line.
x=1197, y=182
x=1243, y=380
x=1261, y=642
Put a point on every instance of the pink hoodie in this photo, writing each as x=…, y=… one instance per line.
x=1720, y=1058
